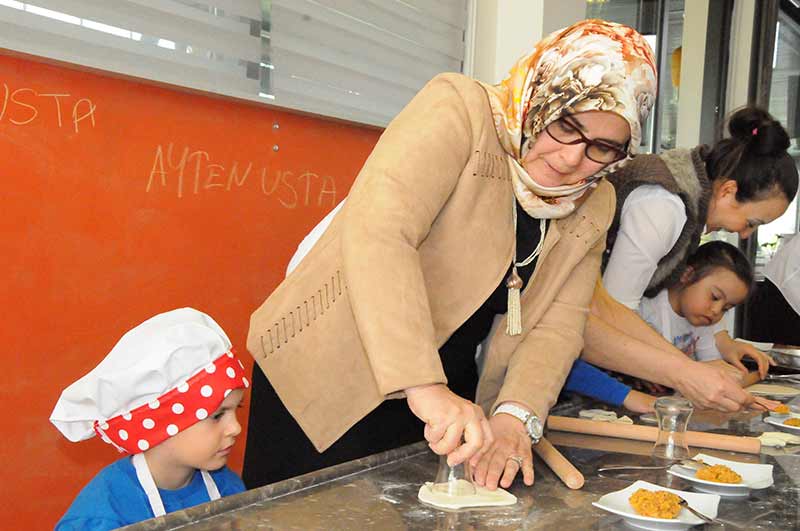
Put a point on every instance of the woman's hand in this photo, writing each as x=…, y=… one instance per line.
x=495, y=465
x=733, y=351
x=711, y=386
x=764, y=404
x=727, y=368
x=448, y=418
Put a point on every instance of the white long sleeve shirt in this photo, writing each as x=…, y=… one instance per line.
x=651, y=221
x=311, y=238
x=784, y=271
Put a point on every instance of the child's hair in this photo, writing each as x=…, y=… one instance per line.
x=719, y=254
x=754, y=156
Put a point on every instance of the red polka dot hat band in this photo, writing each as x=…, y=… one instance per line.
x=162, y=376
x=176, y=410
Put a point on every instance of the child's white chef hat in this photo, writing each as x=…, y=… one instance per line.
x=166, y=374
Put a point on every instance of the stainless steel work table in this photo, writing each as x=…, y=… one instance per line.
x=380, y=492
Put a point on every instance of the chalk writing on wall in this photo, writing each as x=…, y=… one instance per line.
x=24, y=105
x=192, y=172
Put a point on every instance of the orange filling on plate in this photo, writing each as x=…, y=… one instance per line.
x=781, y=409
x=792, y=422
x=719, y=474
x=655, y=504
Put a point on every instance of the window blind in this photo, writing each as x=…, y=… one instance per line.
x=359, y=60
x=362, y=59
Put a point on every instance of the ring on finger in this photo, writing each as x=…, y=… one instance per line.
x=516, y=458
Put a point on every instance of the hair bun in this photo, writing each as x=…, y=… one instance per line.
x=759, y=131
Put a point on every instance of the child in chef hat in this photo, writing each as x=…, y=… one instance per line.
x=167, y=393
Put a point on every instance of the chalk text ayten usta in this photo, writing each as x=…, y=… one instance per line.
x=188, y=172
x=23, y=106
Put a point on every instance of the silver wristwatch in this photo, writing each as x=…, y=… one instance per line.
x=532, y=423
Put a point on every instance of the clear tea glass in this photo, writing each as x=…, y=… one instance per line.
x=453, y=480
x=673, y=415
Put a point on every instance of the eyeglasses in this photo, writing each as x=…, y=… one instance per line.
x=598, y=151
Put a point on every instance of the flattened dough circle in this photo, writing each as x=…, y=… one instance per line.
x=773, y=390
x=482, y=498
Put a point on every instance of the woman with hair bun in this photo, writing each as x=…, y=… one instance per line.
x=665, y=203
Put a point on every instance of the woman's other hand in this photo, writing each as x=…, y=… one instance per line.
x=449, y=419
x=711, y=386
x=496, y=465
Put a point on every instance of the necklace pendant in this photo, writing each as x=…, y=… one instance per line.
x=514, y=312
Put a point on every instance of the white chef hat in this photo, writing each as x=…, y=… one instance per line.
x=163, y=376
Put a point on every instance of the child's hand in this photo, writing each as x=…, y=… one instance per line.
x=639, y=402
x=737, y=350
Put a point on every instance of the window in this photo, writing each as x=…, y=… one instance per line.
x=784, y=95
x=360, y=60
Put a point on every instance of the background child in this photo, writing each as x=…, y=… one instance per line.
x=717, y=278
x=166, y=393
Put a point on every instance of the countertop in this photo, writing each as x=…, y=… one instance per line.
x=380, y=491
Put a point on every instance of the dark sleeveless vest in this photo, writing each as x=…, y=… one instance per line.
x=683, y=173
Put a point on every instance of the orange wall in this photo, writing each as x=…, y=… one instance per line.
x=121, y=200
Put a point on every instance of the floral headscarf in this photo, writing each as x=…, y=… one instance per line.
x=593, y=65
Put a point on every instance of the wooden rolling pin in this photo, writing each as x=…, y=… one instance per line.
x=562, y=468
x=735, y=443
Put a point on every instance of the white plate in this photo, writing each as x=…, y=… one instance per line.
x=794, y=412
x=758, y=344
x=778, y=423
x=617, y=503
x=788, y=351
x=754, y=477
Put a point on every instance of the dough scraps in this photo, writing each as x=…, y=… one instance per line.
x=773, y=390
x=604, y=416
x=482, y=498
x=778, y=439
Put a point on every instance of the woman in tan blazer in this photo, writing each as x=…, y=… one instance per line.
x=480, y=215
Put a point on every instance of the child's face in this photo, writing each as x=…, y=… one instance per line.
x=706, y=301
x=207, y=444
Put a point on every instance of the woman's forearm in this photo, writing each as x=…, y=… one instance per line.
x=608, y=347
x=642, y=352
x=616, y=338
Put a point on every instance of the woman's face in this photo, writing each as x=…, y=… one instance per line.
x=551, y=163
x=726, y=213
